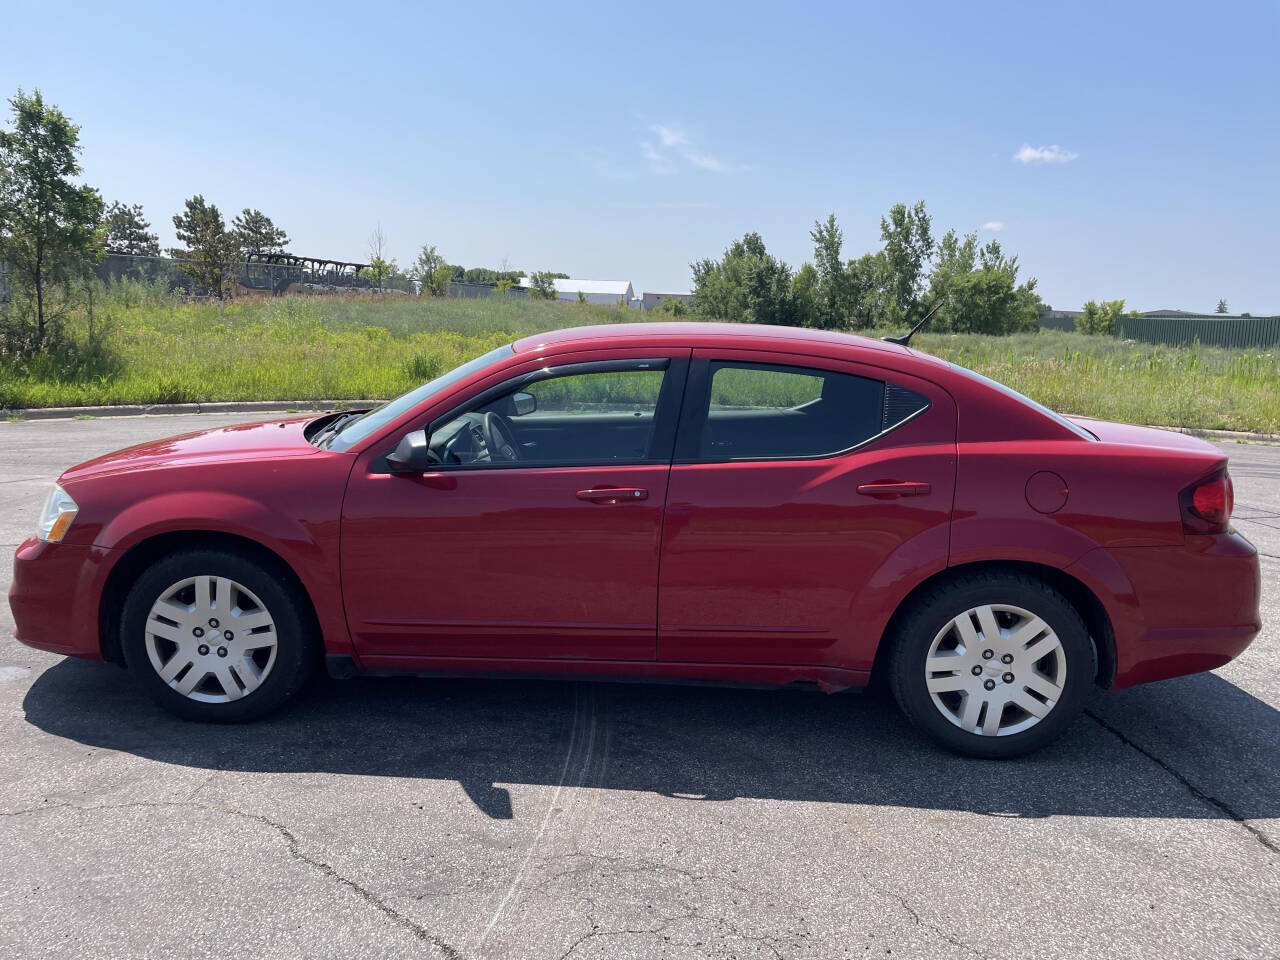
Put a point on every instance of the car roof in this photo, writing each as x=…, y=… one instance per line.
x=698, y=333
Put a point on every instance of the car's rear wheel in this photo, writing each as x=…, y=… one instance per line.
x=216, y=636
x=992, y=664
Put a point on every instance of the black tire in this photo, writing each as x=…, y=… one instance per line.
x=297, y=648
x=930, y=613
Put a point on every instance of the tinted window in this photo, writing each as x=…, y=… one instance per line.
x=765, y=412
x=591, y=417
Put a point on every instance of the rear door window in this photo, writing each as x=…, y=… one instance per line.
x=768, y=412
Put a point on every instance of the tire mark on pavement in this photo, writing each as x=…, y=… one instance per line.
x=581, y=718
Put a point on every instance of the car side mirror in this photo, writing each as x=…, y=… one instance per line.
x=522, y=403
x=411, y=455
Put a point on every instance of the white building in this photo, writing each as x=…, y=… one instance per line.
x=608, y=292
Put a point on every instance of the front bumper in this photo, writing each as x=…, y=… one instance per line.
x=54, y=596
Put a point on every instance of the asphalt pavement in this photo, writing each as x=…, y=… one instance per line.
x=462, y=818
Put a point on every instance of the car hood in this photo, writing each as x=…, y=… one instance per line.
x=249, y=441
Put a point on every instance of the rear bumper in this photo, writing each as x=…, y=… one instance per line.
x=1195, y=607
x=54, y=597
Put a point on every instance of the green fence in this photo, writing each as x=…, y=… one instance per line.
x=1181, y=331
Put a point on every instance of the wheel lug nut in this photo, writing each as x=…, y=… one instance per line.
x=213, y=623
x=222, y=651
x=198, y=631
x=977, y=671
x=1007, y=678
x=204, y=649
x=1007, y=658
x=988, y=654
x=228, y=635
x=990, y=684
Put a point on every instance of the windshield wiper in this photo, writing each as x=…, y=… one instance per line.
x=332, y=428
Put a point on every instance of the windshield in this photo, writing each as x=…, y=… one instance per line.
x=1075, y=428
x=377, y=418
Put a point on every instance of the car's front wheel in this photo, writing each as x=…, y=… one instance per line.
x=992, y=664
x=214, y=635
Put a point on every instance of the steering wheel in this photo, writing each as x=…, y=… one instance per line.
x=499, y=438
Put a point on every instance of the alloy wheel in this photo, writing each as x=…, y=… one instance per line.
x=995, y=670
x=211, y=639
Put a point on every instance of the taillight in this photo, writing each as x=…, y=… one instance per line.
x=1207, y=503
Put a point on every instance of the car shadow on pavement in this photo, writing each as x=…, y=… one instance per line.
x=1197, y=747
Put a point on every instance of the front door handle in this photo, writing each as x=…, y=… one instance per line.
x=613, y=494
x=893, y=489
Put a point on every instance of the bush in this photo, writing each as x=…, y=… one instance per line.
x=1099, y=319
x=542, y=285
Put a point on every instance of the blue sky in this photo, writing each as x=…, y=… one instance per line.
x=1121, y=150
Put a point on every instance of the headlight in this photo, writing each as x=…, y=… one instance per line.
x=59, y=511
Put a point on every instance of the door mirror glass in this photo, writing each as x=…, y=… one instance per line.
x=522, y=403
x=411, y=455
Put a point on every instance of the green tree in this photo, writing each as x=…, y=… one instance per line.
x=210, y=252
x=380, y=268
x=427, y=268
x=50, y=227
x=439, y=282
x=673, y=307
x=128, y=232
x=257, y=234
x=747, y=285
x=977, y=290
x=804, y=291
x=1222, y=306
x=908, y=246
x=1100, y=318
x=542, y=285
x=832, y=301
x=869, y=290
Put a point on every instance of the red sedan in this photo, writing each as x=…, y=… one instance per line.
x=664, y=501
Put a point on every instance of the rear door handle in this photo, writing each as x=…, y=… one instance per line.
x=893, y=489
x=613, y=494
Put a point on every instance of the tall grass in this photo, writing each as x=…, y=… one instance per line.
x=358, y=348
x=1207, y=387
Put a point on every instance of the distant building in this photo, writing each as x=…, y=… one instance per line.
x=607, y=292
x=650, y=301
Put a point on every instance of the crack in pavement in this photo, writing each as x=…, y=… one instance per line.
x=1220, y=805
x=922, y=922
x=769, y=941
x=294, y=850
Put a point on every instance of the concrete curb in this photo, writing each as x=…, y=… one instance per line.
x=169, y=409
x=1237, y=435
x=308, y=406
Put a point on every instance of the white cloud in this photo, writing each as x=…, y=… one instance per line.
x=656, y=162
x=995, y=225
x=1053, y=153
x=674, y=144
x=670, y=136
x=704, y=161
